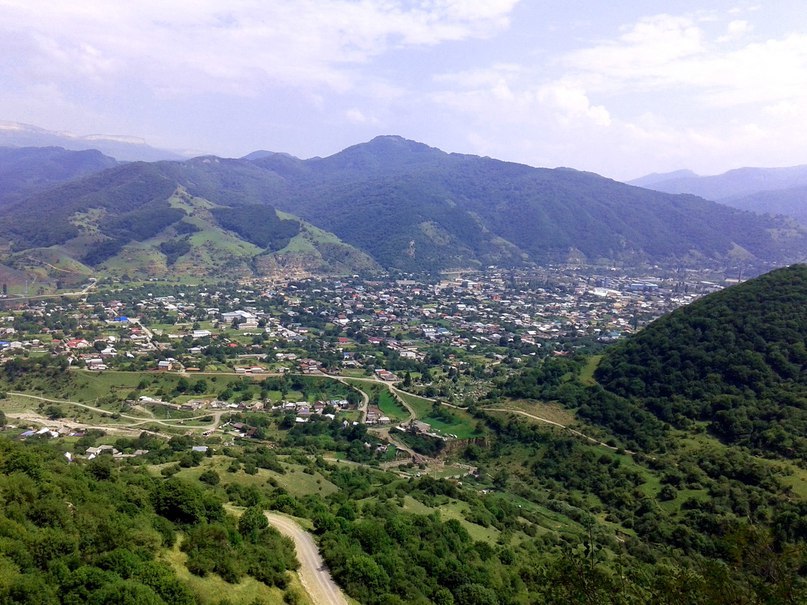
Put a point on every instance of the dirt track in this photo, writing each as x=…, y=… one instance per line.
x=315, y=577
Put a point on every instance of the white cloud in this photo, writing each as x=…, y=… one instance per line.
x=200, y=45
x=668, y=53
x=572, y=104
x=735, y=29
x=356, y=116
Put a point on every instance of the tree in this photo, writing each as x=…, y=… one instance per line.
x=252, y=523
x=179, y=502
x=210, y=477
x=54, y=412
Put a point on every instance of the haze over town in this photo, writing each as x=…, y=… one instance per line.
x=618, y=90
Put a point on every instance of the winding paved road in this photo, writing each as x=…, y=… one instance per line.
x=315, y=577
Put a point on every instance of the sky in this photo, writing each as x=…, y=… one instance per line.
x=618, y=88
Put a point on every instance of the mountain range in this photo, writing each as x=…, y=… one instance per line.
x=764, y=190
x=121, y=147
x=390, y=204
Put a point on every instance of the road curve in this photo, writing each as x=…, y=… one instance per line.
x=315, y=577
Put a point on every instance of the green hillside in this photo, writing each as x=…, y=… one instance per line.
x=415, y=207
x=735, y=361
x=392, y=203
x=139, y=220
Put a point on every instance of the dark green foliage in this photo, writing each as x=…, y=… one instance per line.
x=252, y=523
x=68, y=537
x=253, y=548
x=259, y=225
x=210, y=477
x=83, y=534
x=736, y=360
x=422, y=444
x=185, y=228
x=184, y=503
x=174, y=248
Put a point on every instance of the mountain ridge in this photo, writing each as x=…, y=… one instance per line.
x=763, y=190
x=403, y=204
x=734, y=360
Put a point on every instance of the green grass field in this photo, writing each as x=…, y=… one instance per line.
x=458, y=423
x=389, y=406
x=421, y=406
x=587, y=373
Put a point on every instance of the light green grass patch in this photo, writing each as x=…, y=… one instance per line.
x=420, y=405
x=587, y=373
x=389, y=406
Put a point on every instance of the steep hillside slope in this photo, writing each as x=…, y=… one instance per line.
x=735, y=360
x=139, y=219
x=415, y=207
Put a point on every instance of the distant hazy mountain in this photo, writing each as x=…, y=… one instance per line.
x=764, y=190
x=123, y=148
x=788, y=202
x=26, y=170
x=391, y=202
x=662, y=177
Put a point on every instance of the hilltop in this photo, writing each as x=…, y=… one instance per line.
x=390, y=204
x=734, y=361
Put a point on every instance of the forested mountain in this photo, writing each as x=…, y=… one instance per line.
x=414, y=207
x=737, y=182
x=762, y=190
x=26, y=170
x=139, y=219
x=735, y=361
x=788, y=202
x=122, y=148
x=391, y=203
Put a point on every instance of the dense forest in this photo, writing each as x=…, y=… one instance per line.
x=735, y=360
x=93, y=532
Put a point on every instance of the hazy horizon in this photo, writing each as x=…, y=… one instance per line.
x=623, y=91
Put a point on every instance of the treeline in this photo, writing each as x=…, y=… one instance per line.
x=557, y=379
